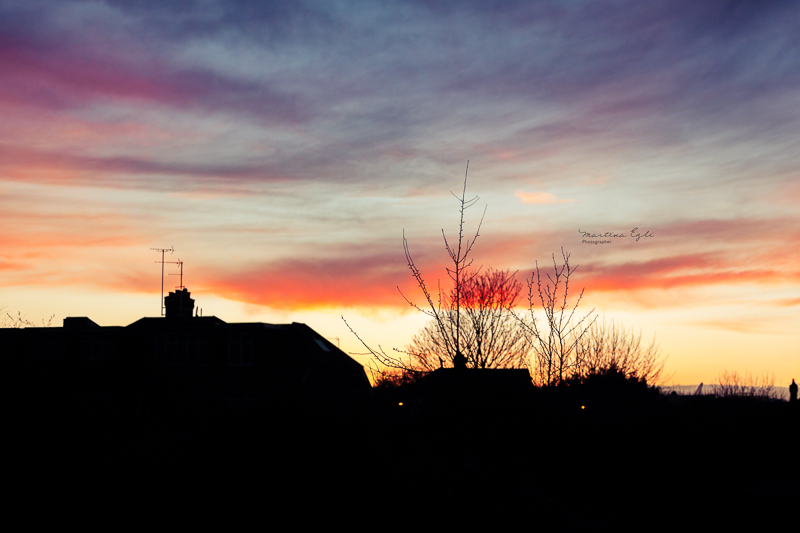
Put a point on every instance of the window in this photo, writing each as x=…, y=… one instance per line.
x=240, y=348
x=181, y=348
x=322, y=345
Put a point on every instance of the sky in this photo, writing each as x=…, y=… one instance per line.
x=283, y=150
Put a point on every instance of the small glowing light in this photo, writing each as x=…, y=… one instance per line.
x=400, y=404
x=583, y=407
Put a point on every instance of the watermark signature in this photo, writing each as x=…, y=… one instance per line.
x=604, y=237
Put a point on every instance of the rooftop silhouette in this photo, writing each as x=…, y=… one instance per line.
x=174, y=366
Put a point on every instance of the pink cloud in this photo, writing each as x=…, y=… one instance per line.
x=540, y=198
x=309, y=283
x=685, y=270
x=27, y=164
x=54, y=77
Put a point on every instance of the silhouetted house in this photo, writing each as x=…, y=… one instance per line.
x=177, y=367
x=469, y=390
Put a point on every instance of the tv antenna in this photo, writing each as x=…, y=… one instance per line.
x=163, y=251
x=178, y=262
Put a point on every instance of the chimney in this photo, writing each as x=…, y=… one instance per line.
x=179, y=304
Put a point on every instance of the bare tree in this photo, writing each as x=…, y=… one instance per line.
x=555, y=339
x=484, y=330
x=732, y=384
x=390, y=378
x=445, y=312
x=7, y=320
x=608, y=346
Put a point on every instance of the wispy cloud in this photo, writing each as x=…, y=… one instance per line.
x=315, y=283
x=682, y=271
x=787, y=302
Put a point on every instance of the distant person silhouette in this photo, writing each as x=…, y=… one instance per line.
x=793, y=392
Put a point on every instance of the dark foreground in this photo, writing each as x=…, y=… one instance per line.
x=538, y=461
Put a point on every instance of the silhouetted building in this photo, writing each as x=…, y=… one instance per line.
x=177, y=367
x=469, y=390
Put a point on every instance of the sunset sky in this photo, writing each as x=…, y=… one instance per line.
x=282, y=149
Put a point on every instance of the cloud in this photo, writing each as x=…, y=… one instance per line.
x=733, y=230
x=352, y=107
x=736, y=326
x=315, y=283
x=691, y=270
x=13, y=266
x=54, y=63
x=124, y=171
x=540, y=198
x=786, y=302
x=63, y=81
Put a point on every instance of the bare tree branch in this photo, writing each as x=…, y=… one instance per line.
x=445, y=313
x=609, y=346
x=734, y=385
x=554, y=343
x=485, y=328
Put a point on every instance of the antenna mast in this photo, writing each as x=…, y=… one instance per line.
x=178, y=262
x=163, y=251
